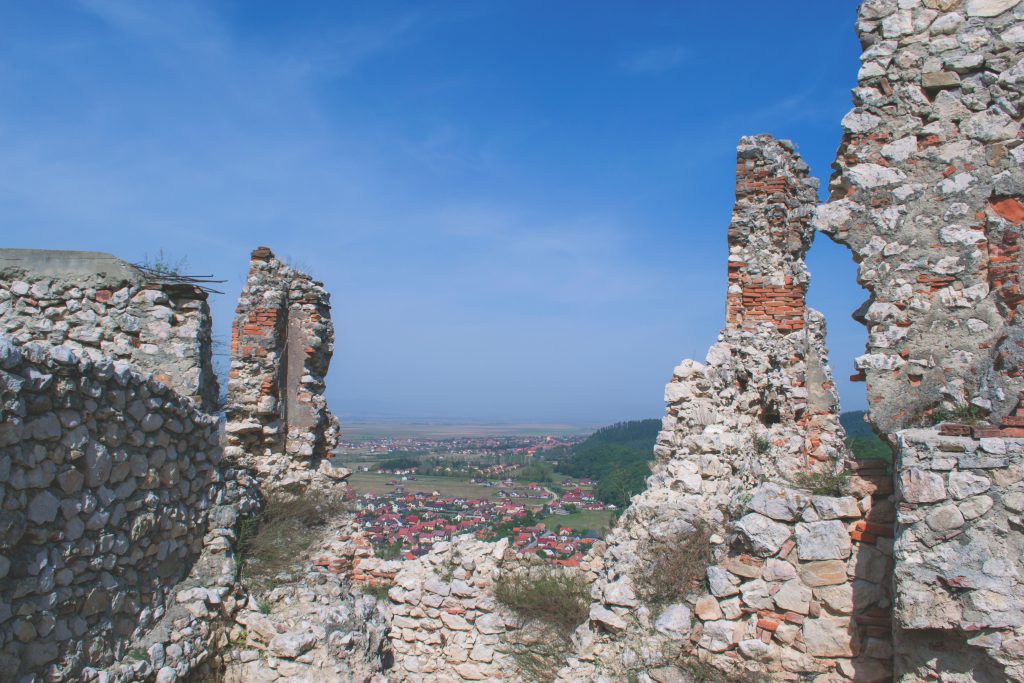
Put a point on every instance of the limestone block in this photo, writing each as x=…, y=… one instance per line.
x=765, y=535
x=921, y=486
x=830, y=637
x=794, y=596
x=827, y=540
x=674, y=621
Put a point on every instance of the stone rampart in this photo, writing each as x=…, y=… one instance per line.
x=928, y=195
x=107, y=485
x=959, y=557
x=102, y=306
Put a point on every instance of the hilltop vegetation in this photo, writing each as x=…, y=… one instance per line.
x=617, y=457
x=861, y=439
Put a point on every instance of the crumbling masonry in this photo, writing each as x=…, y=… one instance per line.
x=928, y=195
x=281, y=346
x=798, y=582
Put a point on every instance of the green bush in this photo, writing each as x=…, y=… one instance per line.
x=965, y=413
x=377, y=590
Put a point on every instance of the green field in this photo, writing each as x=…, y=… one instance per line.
x=593, y=520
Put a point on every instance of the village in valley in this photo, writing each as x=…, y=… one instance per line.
x=412, y=493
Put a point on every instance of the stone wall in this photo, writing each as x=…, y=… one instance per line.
x=796, y=583
x=107, y=481
x=927, y=194
x=447, y=625
x=281, y=347
x=960, y=558
x=102, y=306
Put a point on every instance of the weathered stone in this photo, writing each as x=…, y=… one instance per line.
x=707, y=608
x=989, y=8
x=291, y=644
x=674, y=621
x=965, y=484
x=43, y=508
x=718, y=636
x=945, y=518
x=921, y=486
x=827, y=540
x=764, y=535
x=824, y=573
x=793, y=597
x=830, y=637
x=620, y=593
x=829, y=507
x=606, y=618
x=776, y=502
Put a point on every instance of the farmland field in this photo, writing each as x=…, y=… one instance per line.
x=593, y=520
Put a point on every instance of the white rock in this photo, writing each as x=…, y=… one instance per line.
x=779, y=503
x=829, y=637
x=719, y=636
x=794, y=596
x=827, y=540
x=620, y=593
x=921, y=486
x=765, y=535
x=965, y=484
x=606, y=617
x=674, y=621
x=989, y=8
x=873, y=175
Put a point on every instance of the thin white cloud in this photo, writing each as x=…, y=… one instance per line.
x=653, y=60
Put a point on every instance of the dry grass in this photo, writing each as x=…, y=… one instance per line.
x=558, y=599
x=272, y=541
x=828, y=482
x=551, y=604
x=675, y=564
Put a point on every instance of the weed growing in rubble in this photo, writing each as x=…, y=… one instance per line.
x=377, y=590
x=828, y=482
x=551, y=605
x=762, y=444
x=675, y=563
x=557, y=598
x=964, y=413
x=272, y=541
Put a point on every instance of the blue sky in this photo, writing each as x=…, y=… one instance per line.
x=519, y=207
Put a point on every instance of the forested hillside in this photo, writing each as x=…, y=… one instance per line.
x=861, y=439
x=617, y=457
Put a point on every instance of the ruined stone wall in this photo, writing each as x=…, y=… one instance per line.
x=797, y=583
x=927, y=194
x=960, y=558
x=281, y=347
x=101, y=306
x=107, y=482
